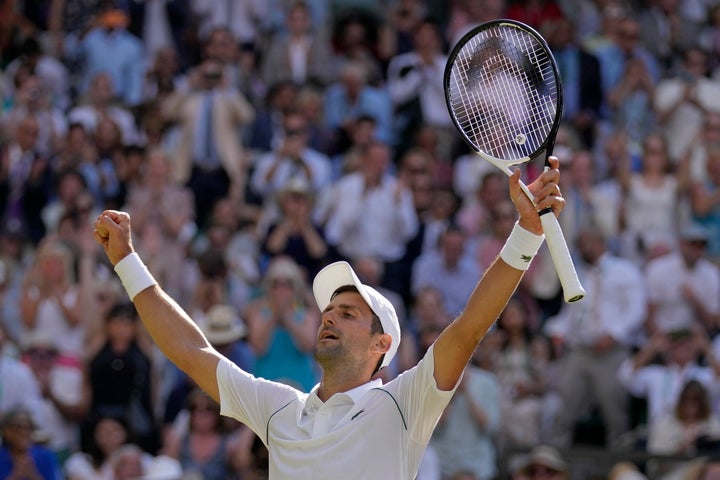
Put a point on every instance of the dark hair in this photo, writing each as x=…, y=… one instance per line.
x=375, y=326
x=122, y=310
x=694, y=387
x=88, y=441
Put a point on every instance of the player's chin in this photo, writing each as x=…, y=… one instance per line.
x=328, y=349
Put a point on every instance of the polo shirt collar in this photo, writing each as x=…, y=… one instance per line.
x=354, y=395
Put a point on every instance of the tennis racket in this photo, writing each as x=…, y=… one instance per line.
x=504, y=95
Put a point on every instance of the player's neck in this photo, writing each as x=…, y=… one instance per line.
x=332, y=384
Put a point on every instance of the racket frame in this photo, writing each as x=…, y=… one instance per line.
x=572, y=288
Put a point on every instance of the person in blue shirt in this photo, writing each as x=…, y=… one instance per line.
x=21, y=458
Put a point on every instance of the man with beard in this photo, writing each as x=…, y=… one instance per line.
x=350, y=425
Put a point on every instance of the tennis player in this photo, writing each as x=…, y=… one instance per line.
x=350, y=426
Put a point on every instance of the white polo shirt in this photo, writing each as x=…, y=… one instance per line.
x=372, y=432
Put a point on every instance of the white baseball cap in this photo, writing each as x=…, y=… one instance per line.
x=340, y=274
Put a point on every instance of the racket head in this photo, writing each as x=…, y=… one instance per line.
x=504, y=93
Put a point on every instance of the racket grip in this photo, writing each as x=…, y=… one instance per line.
x=572, y=289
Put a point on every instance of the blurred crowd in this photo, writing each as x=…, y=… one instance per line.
x=255, y=141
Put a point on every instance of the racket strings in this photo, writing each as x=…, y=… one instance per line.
x=504, y=93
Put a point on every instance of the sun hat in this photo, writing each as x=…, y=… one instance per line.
x=544, y=455
x=223, y=325
x=163, y=467
x=340, y=274
x=694, y=231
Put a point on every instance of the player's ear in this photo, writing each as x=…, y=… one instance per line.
x=382, y=343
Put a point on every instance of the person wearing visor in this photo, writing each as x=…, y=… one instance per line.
x=350, y=425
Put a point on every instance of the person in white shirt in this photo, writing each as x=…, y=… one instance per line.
x=678, y=283
x=594, y=337
x=350, y=425
x=369, y=212
x=415, y=84
x=660, y=382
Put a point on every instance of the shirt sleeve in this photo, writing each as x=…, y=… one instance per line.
x=420, y=398
x=249, y=399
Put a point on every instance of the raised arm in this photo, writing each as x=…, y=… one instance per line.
x=457, y=342
x=175, y=333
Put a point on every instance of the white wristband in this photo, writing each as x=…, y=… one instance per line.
x=134, y=275
x=520, y=247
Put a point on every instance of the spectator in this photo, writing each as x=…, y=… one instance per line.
x=109, y=47
x=623, y=46
x=209, y=158
x=243, y=23
x=165, y=24
x=449, y=269
x=668, y=360
x=579, y=70
x=596, y=336
x=211, y=279
x=534, y=12
x=101, y=101
x=16, y=256
x=652, y=201
x=667, y=31
x=363, y=40
x=227, y=332
x=282, y=325
x=709, y=39
x=19, y=386
x=630, y=101
x=352, y=97
x=294, y=233
x=527, y=404
x=70, y=187
x=162, y=77
x=291, y=158
x=683, y=100
x=543, y=461
x=265, y=132
x=164, y=218
x=415, y=84
x=50, y=298
x=678, y=282
x=220, y=46
x=370, y=212
x=127, y=463
x=465, y=435
x=595, y=201
x=234, y=229
x=118, y=378
x=323, y=138
x=20, y=455
x=684, y=430
x=25, y=179
x=91, y=461
x=350, y=150
x=303, y=55
x=60, y=380
x=201, y=444
x=474, y=215
x=708, y=139
x=624, y=470
x=53, y=74
x=435, y=208
x=33, y=99
x=705, y=203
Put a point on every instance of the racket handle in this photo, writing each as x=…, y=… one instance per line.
x=572, y=289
